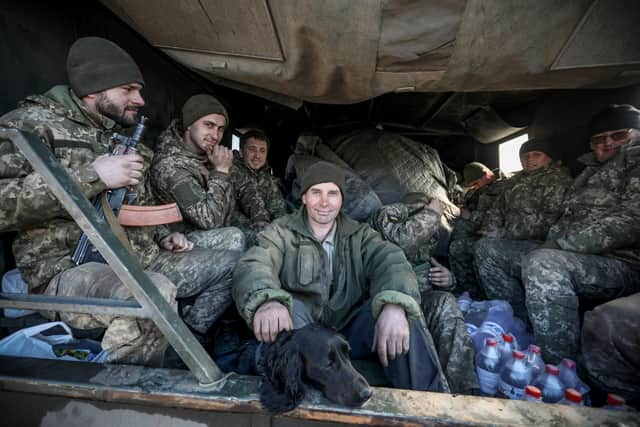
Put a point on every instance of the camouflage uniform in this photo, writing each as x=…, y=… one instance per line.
x=413, y=227
x=47, y=235
x=209, y=200
x=610, y=343
x=464, y=237
x=269, y=187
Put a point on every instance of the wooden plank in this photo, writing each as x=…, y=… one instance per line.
x=105, y=306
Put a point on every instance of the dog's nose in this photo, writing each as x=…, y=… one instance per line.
x=365, y=394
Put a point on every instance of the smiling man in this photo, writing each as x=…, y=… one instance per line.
x=318, y=265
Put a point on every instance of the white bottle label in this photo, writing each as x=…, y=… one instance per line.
x=510, y=391
x=488, y=381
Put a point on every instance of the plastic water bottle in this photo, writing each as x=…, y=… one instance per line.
x=533, y=356
x=572, y=397
x=464, y=302
x=617, y=403
x=506, y=347
x=570, y=379
x=477, y=312
x=550, y=385
x=514, y=377
x=497, y=322
x=532, y=394
x=488, y=368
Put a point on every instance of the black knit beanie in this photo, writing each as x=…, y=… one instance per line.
x=539, y=145
x=95, y=64
x=199, y=106
x=615, y=117
x=321, y=172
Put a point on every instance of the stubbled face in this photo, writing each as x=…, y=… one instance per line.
x=606, y=145
x=254, y=153
x=534, y=160
x=205, y=133
x=322, y=203
x=120, y=103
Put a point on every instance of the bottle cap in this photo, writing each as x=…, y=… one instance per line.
x=573, y=395
x=507, y=337
x=534, y=349
x=568, y=363
x=491, y=342
x=615, y=400
x=518, y=355
x=533, y=391
x=552, y=369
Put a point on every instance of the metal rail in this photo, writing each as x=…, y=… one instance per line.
x=127, y=268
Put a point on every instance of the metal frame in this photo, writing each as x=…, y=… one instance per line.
x=127, y=268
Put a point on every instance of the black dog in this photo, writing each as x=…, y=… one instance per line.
x=313, y=354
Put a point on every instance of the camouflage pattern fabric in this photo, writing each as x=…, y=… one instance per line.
x=446, y=324
x=477, y=203
x=269, y=187
x=499, y=270
x=128, y=340
x=224, y=239
x=464, y=268
x=208, y=199
x=555, y=279
x=611, y=359
x=529, y=204
x=202, y=276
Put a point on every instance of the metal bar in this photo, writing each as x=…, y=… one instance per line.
x=74, y=305
x=126, y=267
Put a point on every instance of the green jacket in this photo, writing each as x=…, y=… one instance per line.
x=289, y=262
x=46, y=233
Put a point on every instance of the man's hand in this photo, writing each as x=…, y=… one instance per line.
x=176, y=242
x=271, y=318
x=440, y=275
x=436, y=206
x=119, y=171
x=221, y=158
x=391, y=337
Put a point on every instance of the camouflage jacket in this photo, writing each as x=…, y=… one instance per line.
x=269, y=188
x=413, y=227
x=207, y=198
x=529, y=204
x=289, y=261
x=478, y=202
x=602, y=208
x=46, y=233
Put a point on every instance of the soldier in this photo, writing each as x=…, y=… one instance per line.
x=254, y=149
x=319, y=265
x=482, y=186
x=593, y=250
x=192, y=169
x=523, y=212
x=76, y=123
x=412, y=224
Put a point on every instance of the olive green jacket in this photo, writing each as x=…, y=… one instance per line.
x=288, y=262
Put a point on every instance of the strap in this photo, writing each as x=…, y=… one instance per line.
x=116, y=228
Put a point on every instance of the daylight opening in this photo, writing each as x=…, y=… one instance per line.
x=508, y=154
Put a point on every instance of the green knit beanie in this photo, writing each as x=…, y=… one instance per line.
x=473, y=171
x=95, y=64
x=199, y=106
x=321, y=172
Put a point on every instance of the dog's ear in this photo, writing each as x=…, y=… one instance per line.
x=282, y=388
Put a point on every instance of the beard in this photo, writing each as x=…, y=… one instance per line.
x=123, y=115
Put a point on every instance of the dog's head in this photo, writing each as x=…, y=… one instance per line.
x=316, y=355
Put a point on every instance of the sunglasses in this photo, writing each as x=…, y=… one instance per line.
x=617, y=136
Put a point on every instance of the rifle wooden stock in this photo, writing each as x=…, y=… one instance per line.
x=141, y=216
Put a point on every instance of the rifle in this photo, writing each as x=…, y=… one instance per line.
x=109, y=202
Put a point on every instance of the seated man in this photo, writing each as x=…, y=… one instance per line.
x=482, y=187
x=523, y=212
x=412, y=224
x=254, y=149
x=75, y=123
x=592, y=251
x=319, y=265
x=192, y=169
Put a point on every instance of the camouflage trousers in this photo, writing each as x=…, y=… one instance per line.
x=611, y=346
x=203, y=278
x=463, y=267
x=225, y=238
x=544, y=285
x=445, y=322
x=128, y=340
